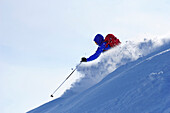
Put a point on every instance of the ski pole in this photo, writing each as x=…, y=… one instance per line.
x=65, y=79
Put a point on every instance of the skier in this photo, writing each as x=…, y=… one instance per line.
x=104, y=45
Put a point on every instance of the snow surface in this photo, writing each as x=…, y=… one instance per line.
x=132, y=78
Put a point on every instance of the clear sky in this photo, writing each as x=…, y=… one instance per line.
x=41, y=40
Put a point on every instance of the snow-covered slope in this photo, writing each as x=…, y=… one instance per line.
x=133, y=78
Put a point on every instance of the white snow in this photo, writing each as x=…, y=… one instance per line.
x=131, y=78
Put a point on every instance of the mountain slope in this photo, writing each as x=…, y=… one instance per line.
x=140, y=86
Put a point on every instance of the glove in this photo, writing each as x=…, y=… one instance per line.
x=83, y=59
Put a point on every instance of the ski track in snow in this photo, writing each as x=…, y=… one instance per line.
x=158, y=54
x=121, y=73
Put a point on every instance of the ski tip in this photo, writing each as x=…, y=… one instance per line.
x=51, y=95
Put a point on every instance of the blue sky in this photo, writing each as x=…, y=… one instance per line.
x=40, y=41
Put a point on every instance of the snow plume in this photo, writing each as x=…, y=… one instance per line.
x=95, y=71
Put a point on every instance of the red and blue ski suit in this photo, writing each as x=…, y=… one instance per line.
x=99, y=39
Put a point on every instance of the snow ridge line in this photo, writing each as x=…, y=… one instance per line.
x=158, y=54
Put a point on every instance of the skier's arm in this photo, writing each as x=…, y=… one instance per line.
x=95, y=55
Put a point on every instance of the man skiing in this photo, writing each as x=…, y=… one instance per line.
x=104, y=45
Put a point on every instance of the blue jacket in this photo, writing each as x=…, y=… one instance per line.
x=99, y=39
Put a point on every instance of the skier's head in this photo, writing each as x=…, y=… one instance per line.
x=99, y=39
